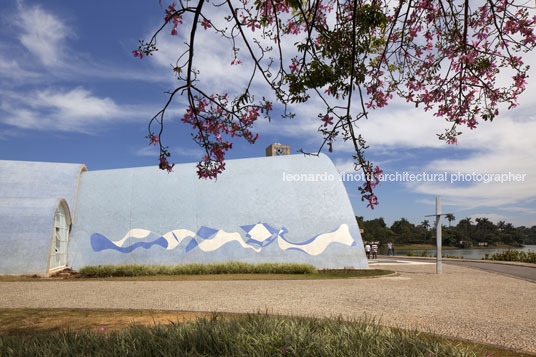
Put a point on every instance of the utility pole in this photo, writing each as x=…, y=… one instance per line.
x=437, y=215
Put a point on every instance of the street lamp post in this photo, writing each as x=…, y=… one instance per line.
x=437, y=215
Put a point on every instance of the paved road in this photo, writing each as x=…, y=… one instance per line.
x=517, y=271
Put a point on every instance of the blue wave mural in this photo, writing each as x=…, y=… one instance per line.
x=258, y=236
x=100, y=242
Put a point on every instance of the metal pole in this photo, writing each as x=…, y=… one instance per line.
x=438, y=236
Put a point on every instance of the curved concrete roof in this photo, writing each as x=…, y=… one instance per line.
x=255, y=211
x=29, y=195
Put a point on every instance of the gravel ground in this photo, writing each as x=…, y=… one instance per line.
x=462, y=302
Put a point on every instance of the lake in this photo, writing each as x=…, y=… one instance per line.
x=469, y=253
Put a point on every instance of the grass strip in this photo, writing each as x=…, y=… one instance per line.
x=197, y=269
x=243, y=335
x=360, y=273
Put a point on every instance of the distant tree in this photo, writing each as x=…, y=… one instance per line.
x=377, y=230
x=465, y=227
x=451, y=237
x=450, y=217
x=483, y=224
x=425, y=224
x=404, y=230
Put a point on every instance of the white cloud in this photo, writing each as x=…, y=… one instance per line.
x=524, y=210
x=503, y=147
x=77, y=103
x=11, y=69
x=196, y=152
x=150, y=150
x=42, y=33
x=344, y=165
x=76, y=110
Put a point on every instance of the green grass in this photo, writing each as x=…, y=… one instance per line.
x=361, y=273
x=196, y=269
x=250, y=335
x=209, y=272
x=31, y=328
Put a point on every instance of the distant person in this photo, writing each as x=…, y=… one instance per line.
x=367, y=250
x=390, y=250
x=374, y=249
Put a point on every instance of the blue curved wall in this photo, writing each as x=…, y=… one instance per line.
x=29, y=195
x=252, y=213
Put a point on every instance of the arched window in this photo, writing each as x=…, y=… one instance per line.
x=60, y=237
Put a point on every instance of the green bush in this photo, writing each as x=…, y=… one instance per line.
x=252, y=335
x=100, y=271
x=513, y=256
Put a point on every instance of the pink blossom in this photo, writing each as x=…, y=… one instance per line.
x=378, y=172
x=236, y=61
x=294, y=66
x=373, y=201
x=471, y=123
x=154, y=139
x=169, y=12
x=206, y=24
x=137, y=53
x=327, y=120
x=252, y=24
x=164, y=164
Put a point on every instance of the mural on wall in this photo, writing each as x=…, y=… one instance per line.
x=208, y=239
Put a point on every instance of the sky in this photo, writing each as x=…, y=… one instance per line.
x=71, y=91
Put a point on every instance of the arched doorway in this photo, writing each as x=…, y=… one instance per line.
x=60, y=237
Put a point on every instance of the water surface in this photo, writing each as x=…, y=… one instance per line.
x=468, y=253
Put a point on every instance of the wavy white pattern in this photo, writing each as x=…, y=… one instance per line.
x=318, y=244
x=174, y=238
x=258, y=236
x=260, y=233
x=133, y=233
x=222, y=238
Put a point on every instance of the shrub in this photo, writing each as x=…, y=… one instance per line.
x=513, y=256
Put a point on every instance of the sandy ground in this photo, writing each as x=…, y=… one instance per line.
x=462, y=302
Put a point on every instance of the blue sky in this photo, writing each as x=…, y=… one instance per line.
x=71, y=91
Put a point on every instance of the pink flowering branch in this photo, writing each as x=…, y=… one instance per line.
x=442, y=56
